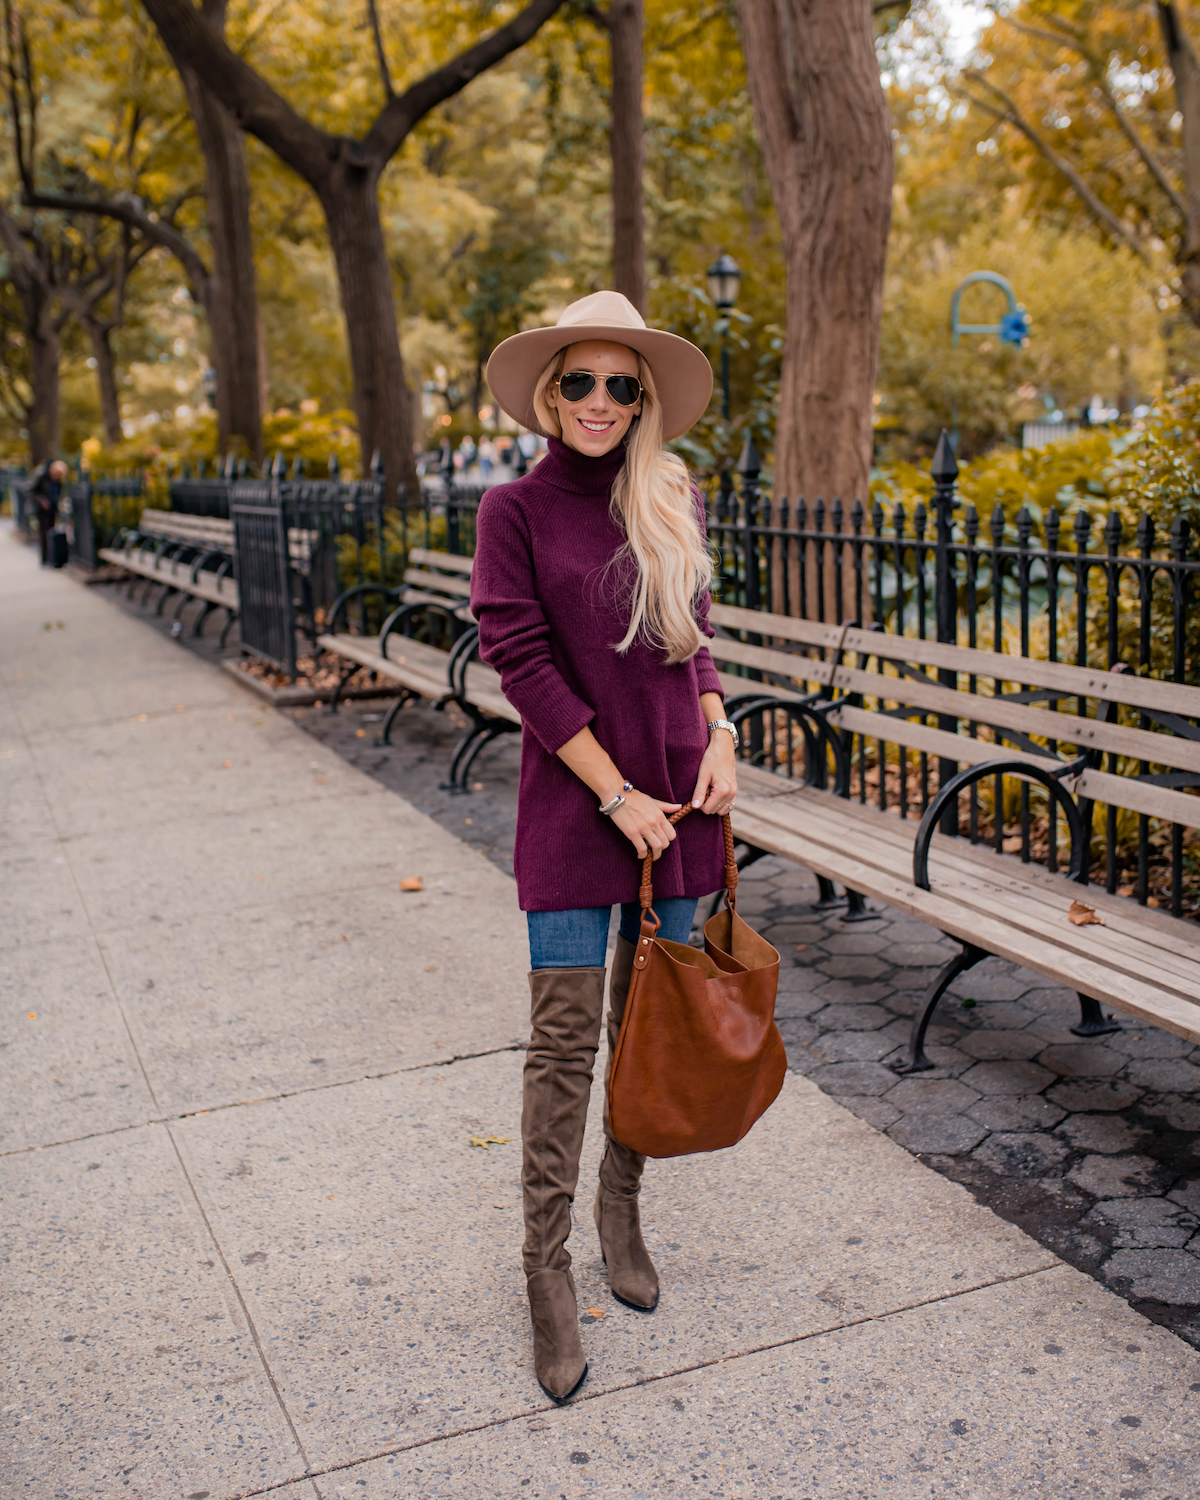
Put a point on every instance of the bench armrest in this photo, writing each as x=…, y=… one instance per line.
x=947, y=796
x=358, y=592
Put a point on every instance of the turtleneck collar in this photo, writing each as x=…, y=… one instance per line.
x=577, y=473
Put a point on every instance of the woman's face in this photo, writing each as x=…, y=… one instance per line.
x=596, y=424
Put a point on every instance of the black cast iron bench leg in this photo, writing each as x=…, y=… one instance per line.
x=484, y=737
x=384, y=737
x=966, y=959
x=1092, y=1020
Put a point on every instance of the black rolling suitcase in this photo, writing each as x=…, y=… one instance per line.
x=60, y=549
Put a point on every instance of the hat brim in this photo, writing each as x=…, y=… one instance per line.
x=683, y=376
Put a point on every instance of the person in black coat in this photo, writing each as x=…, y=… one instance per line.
x=46, y=490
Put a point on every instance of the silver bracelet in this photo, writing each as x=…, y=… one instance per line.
x=608, y=808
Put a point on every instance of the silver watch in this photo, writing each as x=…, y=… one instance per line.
x=725, y=724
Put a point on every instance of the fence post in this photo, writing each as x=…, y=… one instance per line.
x=749, y=466
x=944, y=473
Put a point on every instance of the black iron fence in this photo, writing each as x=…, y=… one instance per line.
x=99, y=510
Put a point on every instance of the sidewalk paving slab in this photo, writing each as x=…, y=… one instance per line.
x=382, y=1249
x=1046, y=1385
x=128, y=1365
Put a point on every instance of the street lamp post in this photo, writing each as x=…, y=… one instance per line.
x=724, y=277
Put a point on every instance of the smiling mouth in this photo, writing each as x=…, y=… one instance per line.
x=595, y=426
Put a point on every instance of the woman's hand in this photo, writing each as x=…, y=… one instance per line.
x=643, y=821
x=716, y=785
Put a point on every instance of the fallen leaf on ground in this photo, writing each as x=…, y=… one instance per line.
x=800, y=947
x=1084, y=916
x=227, y=763
x=410, y=883
x=139, y=718
x=33, y=1015
x=598, y=1312
x=486, y=1142
x=180, y=709
x=360, y=734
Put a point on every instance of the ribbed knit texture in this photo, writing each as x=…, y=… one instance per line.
x=551, y=608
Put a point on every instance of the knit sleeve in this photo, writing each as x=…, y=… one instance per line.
x=707, y=680
x=514, y=634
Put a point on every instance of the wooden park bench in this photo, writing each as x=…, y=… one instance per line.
x=434, y=599
x=191, y=556
x=1031, y=723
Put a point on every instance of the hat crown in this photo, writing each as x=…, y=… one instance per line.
x=611, y=309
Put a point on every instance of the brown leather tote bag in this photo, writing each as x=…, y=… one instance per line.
x=699, y=1057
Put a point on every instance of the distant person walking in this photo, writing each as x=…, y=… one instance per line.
x=591, y=590
x=46, y=489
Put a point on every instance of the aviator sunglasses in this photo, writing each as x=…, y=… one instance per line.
x=576, y=384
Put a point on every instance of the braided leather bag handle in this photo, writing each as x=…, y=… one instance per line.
x=646, y=893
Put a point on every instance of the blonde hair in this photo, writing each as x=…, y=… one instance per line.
x=653, y=501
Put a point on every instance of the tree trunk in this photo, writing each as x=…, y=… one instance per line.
x=627, y=138
x=1185, y=68
x=106, y=380
x=44, y=349
x=827, y=143
x=350, y=199
x=232, y=301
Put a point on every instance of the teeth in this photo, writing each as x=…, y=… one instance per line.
x=595, y=426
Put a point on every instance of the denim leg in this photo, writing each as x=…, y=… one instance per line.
x=676, y=913
x=568, y=939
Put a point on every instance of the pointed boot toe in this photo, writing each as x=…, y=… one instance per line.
x=558, y=1357
x=631, y=1273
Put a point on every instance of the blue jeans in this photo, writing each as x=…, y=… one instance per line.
x=578, y=939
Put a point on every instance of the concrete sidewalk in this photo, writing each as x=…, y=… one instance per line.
x=250, y=1248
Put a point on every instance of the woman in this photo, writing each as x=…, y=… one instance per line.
x=591, y=590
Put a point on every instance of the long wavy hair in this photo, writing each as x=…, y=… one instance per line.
x=652, y=499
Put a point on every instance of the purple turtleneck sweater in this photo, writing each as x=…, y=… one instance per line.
x=550, y=611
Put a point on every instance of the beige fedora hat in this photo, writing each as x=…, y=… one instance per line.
x=683, y=376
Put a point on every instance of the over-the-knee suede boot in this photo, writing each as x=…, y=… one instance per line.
x=631, y=1272
x=565, y=1010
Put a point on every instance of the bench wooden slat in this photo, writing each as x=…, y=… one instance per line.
x=1086, y=682
x=425, y=557
x=222, y=591
x=1088, y=734
x=916, y=736
x=762, y=824
x=413, y=665
x=1032, y=908
x=1140, y=797
x=794, y=667
x=784, y=627
x=459, y=587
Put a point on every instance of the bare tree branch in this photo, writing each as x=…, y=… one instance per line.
x=155, y=230
x=384, y=73
x=1011, y=115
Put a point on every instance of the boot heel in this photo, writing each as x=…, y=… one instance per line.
x=558, y=1358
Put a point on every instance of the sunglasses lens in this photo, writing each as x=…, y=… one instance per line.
x=576, y=385
x=624, y=389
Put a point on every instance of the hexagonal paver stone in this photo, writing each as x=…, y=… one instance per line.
x=1171, y=1276
x=1025, y=1153
x=853, y=1078
x=1145, y=1223
x=1002, y=1015
x=1086, y=1094
x=877, y=1112
x=993, y=982
x=1179, y=1114
x=853, y=1017
x=1031, y=1112
x=1082, y=1060
x=1104, y=1133
x=1001, y=1045
x=1187, y=1196
x=914, y=979
x=854, y=942
x=1008, y=1078
x=1119, y=1176
x=1165, y=1073
x=938, y=1135
x=853, y=1046
x=843, y=992
x=919, y=955
x=853, y=966
x=931, y=1096
x=1151, y=1042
